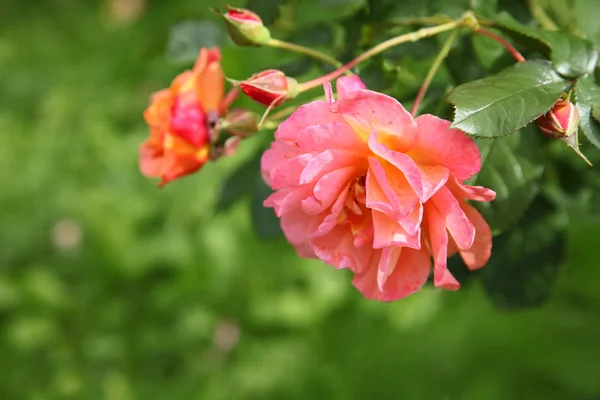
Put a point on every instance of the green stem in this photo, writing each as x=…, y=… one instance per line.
x=432, y=70
x=408, y=37
x=280, y=44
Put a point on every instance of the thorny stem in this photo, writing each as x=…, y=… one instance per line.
x=514, y=52
x=280, y=44
x=408, y=37
x=432, y=70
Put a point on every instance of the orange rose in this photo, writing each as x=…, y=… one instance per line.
x=181, y=120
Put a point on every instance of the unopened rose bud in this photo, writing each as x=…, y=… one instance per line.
x=240, y=122
x=270, y=87
x=562, y=120
x=245, y=27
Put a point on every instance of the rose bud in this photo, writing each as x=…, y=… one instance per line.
x=562, y=120
x=245, y=27
x=239, y=122
x=270, y=87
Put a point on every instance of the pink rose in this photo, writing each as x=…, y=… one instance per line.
x=362, y=185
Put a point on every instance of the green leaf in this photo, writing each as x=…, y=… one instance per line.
x=238, y=184
x=586, y=15
x=188, y=37
x=523, y=34
x=511, y=166
x=596, y=112
x=484, y=8
x=267, y=10
x=487, y=50
x=503, y=103
x=571, y=56
x=265, y=222
x=587, y=94
x=526, y=261
x=308, y=12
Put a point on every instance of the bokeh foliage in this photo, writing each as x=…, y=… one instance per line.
x=113, y=289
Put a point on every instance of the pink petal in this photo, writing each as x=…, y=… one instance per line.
x=376, y=198
x=387, y=264
x=476, y=193
x=437, y=144
x=295, y=226
x=401, y=161
x=438, y=238
x=288, y=173
x=479, y=254
x=347, y=84
x=412, y=221
x=400, y=195
x=433, y=178
x=365, y=111
x=278, y=153
x=337, y=249
x=313, y=113
x=328, y=161
x=328, y=189
x=388, y=232
x=455, y=220
x=409, y=275
x=287, y=200
x=334, y=135
x=329, y=218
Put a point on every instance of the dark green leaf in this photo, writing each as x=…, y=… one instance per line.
x=308, y=12
x=484, y=8
x=265, y=222
x=462, y=71
x=239, y=183
x=596, y=112
x=526, y=261
x=296, y=68
x=501, y=104
x=487, y=50
x=572, y=56
x=511, y=166
x=188, y=37
x=268, y=10
x=587, y=94
x=523, y=34
x=586, y=15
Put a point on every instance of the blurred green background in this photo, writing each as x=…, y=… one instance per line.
x=113, y=289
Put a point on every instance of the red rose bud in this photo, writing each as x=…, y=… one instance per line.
x=245, y=27
x=562, y=120
x=240, y=122
x=270, y=87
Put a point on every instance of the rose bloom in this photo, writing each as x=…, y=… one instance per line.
x=181, y=118
x=362, y=185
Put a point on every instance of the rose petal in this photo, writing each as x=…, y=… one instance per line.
x=388, y=232
x=455, y=220
x=347, y=84
x=479, y=253
x=401, y=161
x=328, y=136
x=409, y=275
x=438, y=238
x=438, y=144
